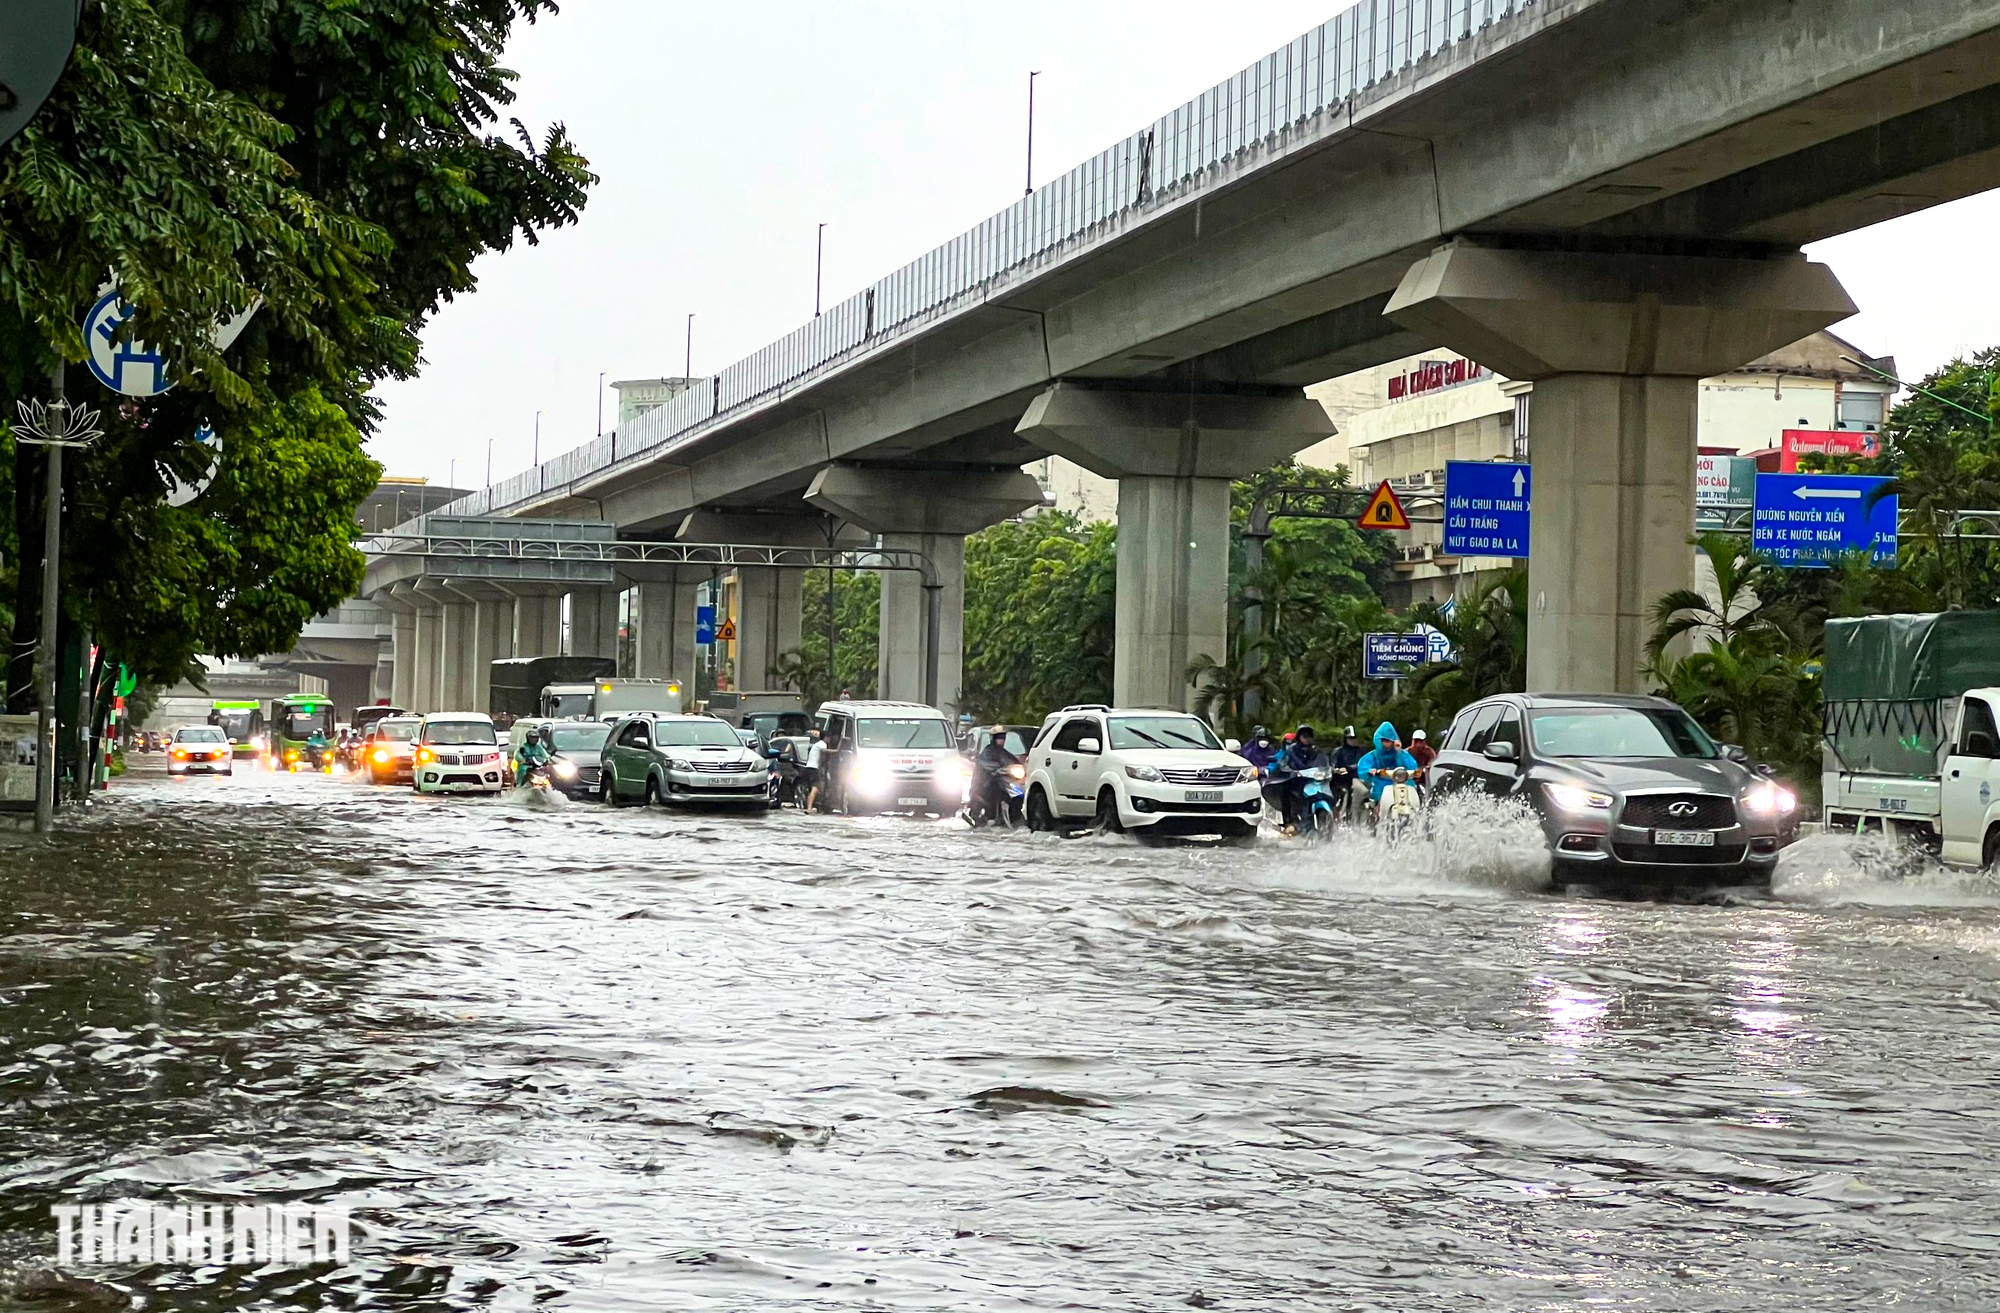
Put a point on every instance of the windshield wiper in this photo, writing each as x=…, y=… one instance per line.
x=1185, y=739
x=1130, y=729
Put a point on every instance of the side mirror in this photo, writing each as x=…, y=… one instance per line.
x=1501, y=752
x=642, y=741
x=1233, y=745
x=1978, y=744
x=1089, y=747
x=1736, y=754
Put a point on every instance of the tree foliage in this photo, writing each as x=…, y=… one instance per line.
x=1040, y=614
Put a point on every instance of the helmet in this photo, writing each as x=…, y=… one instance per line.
x=1302, y=731
x=1259, y=732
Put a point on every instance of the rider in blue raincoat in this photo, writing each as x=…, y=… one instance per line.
x=1388, y=755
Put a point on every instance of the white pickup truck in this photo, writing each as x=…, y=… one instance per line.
x=1912, y=731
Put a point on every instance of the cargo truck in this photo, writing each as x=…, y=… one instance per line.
x=1911, y=742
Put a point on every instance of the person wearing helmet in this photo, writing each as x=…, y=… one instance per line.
x=1425, y=754
x=989, y=781
x=1302, y=755
x=1261, y=750
x=1345, y=782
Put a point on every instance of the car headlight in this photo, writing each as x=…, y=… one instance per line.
x=1770, y=800
x=1146, y=773
x=381, y=756
x=1247, y=775
x=1573, y=799
x=564, y=769
x=953, y=772
x=873, y=777
x=675, y=763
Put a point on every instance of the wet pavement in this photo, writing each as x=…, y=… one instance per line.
x=579, y=1058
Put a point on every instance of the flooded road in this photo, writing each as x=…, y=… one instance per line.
x=576, y=1058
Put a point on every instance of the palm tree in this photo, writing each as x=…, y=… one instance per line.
x=1489, y=638
x=1735, y=610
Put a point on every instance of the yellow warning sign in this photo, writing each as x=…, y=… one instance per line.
x=1384, y=510
x=727, y=633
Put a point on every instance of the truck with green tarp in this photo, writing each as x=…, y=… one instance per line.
x=1910, y=742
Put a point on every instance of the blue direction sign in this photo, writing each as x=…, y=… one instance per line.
x=1805, y=520
x=1486, y=508
x=704, y=626
x=1393, y=656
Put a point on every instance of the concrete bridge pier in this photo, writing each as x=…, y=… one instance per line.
x=492, y=639
x=593, y=622
x=537, y=624
x=1616, y=344
x=927, y=511
x=768, y=622
x=1174, y=455
x=666, y=626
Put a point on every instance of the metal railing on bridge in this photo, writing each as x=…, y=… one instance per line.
x=1280, y=93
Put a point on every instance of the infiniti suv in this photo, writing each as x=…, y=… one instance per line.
x=1626, y=787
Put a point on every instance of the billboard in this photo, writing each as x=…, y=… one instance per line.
x=1846, y=443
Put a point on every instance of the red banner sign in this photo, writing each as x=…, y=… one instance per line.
x=1826, y=442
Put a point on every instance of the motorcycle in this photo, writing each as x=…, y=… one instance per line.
x=1315, y=804
x=1400, y=807
x=540, y=776
x=1013, y=790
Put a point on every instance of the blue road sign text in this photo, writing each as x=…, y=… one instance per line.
x=1393, y=656
x=1806, y=520
x=1486, y=508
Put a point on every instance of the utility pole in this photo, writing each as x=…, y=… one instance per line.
x=600, y=421
x=1031, y=132
x=600, y=413
x=687, y=370
x=51, y=427
x=819, y=269
x=489, y=462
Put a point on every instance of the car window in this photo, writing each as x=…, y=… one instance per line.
x=1074, y=732
x=1152, y=733
x=704, y=733
x=210, y=734
x=575, y=738
x=1620, y=732
x=1508, y=729
x=1482, y=729
x=835, y=734
x=901, y=732
x=460, y=732
x=1460, y=731
x=399, y=731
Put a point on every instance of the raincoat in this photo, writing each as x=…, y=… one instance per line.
x=1383, y=759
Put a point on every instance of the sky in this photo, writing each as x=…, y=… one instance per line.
x=724, y=135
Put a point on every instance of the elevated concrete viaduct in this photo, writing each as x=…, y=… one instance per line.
x=1601, y=195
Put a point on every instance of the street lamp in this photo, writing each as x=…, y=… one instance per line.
x=600, y=413
x=600, y=421
x=819, y=269
x=54, y=426
x=1031, y=132
x=687, y=370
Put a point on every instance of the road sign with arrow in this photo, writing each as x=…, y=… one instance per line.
x=1486, y=508
x=1806, y=520
x=1385, y=510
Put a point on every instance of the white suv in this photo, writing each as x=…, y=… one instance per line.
x=1158, y=772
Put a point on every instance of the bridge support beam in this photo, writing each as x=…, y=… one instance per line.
x=456, y=644
x=537, y=624
x=1616, y=345
x=1173, y=456
x=403, y=643
x=492, y=639
x=666, y=628
x=429, y=647
x=593, y=622
x=927, y=511
x=768, y=622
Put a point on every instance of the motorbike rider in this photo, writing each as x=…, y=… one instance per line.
x=317, y=746
x=989, y=779
x=1376, y=767
x=1302, y=755
x=530, y=754
x=1425, y=754
x=1345, y=782
x=1261, y=750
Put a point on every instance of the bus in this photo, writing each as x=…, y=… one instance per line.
x=294, y=720
x=243, y=722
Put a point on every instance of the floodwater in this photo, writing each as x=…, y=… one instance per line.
x=575, y=1058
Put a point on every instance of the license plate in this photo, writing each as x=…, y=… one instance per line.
x=1684, y=838
x=913, y=802
x=1203, y=795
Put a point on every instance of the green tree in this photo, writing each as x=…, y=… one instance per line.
x=857, y=612
x=1040, y=614
x=1489, y=638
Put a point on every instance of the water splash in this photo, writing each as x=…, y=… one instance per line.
x=1879, y=870
x=1469, y=841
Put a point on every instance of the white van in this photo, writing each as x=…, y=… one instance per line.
x=458, y=752
x=890, y=757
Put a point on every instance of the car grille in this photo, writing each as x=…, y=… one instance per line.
x=460, y=779
x=1649, y=854
x=1210, y=775
x=1649, y=811
x=720, y=767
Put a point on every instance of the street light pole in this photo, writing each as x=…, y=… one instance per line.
x=819, y=269
x=52, y=427
x=600, y=412
x=1031, y=132
x=600, y=421
x=489, y=463
x=687, y=370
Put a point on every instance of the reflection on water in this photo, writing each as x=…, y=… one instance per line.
x=580, y=1058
